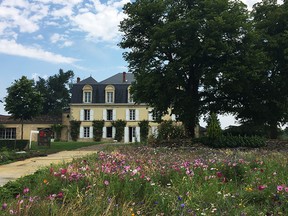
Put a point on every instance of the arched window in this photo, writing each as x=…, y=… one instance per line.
x=87, y=94
x=109, y=94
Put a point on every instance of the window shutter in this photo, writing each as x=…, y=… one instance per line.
x=137, y=115
x=137, y=134
x=91, y=132
x=104, y=114
x=126, y=135
x=81, y=132
x=114, y=115
x=127, y=115
x=173, y=117
x=104, y=132
x=81, y=114
x=113, y=132
x=91, y=115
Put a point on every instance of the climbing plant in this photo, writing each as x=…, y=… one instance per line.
x=119, y=125
x=75, y=129
x=144, y=130
x=98, y=129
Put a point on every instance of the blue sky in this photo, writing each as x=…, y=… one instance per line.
x=38, y=37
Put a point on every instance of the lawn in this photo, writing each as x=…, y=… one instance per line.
x=11, y=156
x=138, y=180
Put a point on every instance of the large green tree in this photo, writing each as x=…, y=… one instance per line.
x=23, y=102
x=178, y=49
x=263, y=98
x=55, y=92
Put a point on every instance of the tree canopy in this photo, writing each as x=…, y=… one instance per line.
x=55, y=92
x=23, y=102
x=177, y=51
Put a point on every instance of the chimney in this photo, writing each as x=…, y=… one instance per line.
x=124, y=77
x=78, y=79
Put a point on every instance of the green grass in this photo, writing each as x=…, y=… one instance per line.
x=7, y=156
x=137, y=180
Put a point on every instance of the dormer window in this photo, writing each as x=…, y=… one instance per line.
x=130, y=96
x=87, y=94
x=109, y=94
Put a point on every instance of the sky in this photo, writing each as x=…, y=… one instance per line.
x=39, y=37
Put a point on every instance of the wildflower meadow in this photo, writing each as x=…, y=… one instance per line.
x=139, y=180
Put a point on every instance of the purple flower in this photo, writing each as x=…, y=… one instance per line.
x=26, y=190
x=4, y=206
x=182, y=205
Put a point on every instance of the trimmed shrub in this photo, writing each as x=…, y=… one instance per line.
x=230, y=141
x=14, y=144
x=213, y=127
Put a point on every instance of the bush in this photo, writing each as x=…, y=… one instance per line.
x=14, y=144
x=167, y=130
x=213, y=127
x=230, y=141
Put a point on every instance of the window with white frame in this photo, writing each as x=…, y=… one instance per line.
x=87, y=114
x=109, y=114
x=7, y=133
x=109, y=94
x=87, y=94
x=132, y=114
x=109, y=97
x=86, y=132
x=87, y=97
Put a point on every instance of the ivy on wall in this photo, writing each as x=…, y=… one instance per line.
x=119, y=125
x=98, y=129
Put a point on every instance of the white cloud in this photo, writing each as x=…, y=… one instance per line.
x=58, y=38
x=102, y=24
x=10, y=47
x=39, y=37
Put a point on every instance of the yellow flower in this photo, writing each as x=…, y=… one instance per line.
x=249, y=189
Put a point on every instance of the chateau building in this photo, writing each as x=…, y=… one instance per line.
x=109, y=100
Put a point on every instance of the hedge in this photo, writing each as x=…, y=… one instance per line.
x=14, y=144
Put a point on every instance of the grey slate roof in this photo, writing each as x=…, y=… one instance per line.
x=118, y=79
x=88, y=81
x=98, y=94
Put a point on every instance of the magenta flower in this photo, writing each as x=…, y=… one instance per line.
x=279, y=188
x=286, y=189
x=25, y=190
x=261, y=187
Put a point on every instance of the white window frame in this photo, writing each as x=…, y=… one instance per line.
x=87, y=115
x=112, y=115
x=109, y=97
x=87, y=132
x=132, y=114
x=87, y=97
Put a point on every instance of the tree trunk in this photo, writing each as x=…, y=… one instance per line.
x=22, y=126
x=273, y=130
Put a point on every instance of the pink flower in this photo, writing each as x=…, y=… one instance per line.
x=63, y=171
x=60, y=195
x=279, y=188
x=26, y=190
x=261, y=187
x=106, y=182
